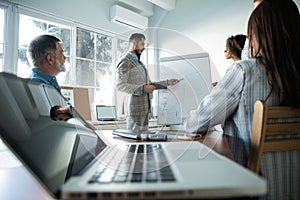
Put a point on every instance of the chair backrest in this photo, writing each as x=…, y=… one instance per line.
x=13, y=119
x=277, y=122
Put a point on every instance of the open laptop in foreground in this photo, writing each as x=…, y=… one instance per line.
x=71, y=161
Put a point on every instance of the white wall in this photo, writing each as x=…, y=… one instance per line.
x=202, y=25
x=94, y=13
x=208, y=23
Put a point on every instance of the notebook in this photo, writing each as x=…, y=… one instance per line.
x=157, y=135
x=72, y=161
x=141, y=135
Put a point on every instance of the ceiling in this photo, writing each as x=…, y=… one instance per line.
x=146, y=7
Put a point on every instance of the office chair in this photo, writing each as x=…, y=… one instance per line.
x=273, y=129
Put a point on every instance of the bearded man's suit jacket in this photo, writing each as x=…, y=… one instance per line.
x=131, y=80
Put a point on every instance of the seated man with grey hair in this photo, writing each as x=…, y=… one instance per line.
x=47, y=58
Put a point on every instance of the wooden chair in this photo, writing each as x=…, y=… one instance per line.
x=262, y=128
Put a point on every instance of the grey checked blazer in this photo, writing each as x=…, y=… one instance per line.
x=130, y=79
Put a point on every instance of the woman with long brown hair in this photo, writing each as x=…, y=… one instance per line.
x=271, y=74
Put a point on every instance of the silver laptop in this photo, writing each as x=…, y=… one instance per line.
x=106, y=113
x=71, y=161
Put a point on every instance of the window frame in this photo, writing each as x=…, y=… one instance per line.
x=73, y=29
x=4, y=7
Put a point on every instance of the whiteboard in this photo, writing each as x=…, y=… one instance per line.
x=174, y=104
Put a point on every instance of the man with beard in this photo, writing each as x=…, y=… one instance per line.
x=133, y=79
x=47, y=58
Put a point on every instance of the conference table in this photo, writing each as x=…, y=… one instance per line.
x=17, y=183
x=216, y=141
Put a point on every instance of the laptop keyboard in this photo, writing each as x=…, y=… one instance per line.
x=137, y=163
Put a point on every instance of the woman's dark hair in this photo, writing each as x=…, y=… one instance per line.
x=274, y=39
x=235, y=44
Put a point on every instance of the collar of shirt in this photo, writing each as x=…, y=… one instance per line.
x=44, y=77
x=135, y=57
x=140, y=63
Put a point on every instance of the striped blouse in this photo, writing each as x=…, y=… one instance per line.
x=231, y=103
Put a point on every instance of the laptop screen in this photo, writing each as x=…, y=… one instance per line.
x=86, y=148
x=106, y=113
x=52, y=150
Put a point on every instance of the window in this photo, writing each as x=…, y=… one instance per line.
x=30, y=28
x=93, y=57
x=122, y=48
x=2, y=19
x=94, y=66
x=90, y=62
